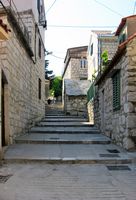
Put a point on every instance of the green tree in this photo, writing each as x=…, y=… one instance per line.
x=56, y=86
x=48, y=73
x=104, y=57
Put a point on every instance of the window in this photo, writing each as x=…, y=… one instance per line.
x=39, y=50
x=39, y=88
x=91, y=50
x=122, y=38
x=39, y=6
x=116, y=91
x=83, y=63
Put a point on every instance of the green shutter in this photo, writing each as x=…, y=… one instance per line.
x=116, y=91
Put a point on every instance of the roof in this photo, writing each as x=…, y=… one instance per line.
x=75, y=49
x=122, y=23
x=102, y=32
x=116, y=57
x=76, y=87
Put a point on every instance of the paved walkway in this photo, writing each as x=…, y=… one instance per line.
x=66, y=158
x=67, y=182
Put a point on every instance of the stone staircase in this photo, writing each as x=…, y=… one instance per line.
x=65, y=139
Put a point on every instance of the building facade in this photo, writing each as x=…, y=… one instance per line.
x=100, y=42
x=115, y=102
x=75, y=77
x=21, y=69
x=75, y=64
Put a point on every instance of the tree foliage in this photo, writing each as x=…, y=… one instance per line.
x=104, y=58
x=56, y=86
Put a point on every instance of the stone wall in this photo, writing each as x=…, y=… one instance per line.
x=90, y=109
x=119, y=125
x=23, y=75
x=76, y=105
x=74, y=70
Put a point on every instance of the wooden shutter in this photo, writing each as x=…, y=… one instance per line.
x=116, y=91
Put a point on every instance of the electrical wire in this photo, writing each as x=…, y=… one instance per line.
x=102, y=4
x=57, y=57
x=84, y=27
x=50, y=7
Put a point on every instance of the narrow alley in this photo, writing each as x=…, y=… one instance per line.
x=65, y=157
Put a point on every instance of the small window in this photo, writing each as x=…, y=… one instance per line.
x=39, y=50
x=39, y=88
x=91, y=50
x=83, y=63
x=39, y=6
x=122, y=38
x=116, y=91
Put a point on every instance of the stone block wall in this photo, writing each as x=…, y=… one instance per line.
x=119, y=125
x=76, y=105
x=90, y=109
x=23, y=75
x=74, y=70
x=110, y=44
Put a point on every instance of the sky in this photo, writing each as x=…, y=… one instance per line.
x=69, y=23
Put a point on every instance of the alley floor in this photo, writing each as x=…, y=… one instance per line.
x=66, y=158
x=67, y=182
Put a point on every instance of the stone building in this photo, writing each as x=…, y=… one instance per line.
x=75, y=64
x=100, y=41
x=75, y=76
x=115, y=102
x=21, y=67
x=75, y=97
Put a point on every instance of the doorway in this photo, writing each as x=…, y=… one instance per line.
x=103, y=113
x=4, y=110
x=2, y=114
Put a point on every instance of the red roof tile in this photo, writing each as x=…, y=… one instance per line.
x=122, y=23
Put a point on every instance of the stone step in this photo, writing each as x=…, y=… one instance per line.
x=52, y=112
x=64, y=130
x=65, y=124
x=63, y=120
x=64, y=116
x=66, y=153
x=63, y=139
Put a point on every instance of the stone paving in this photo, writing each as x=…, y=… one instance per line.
x=67, y=182
x=66, y=164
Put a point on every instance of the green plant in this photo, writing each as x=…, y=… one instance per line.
x=104, y=57
x=56, y=86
